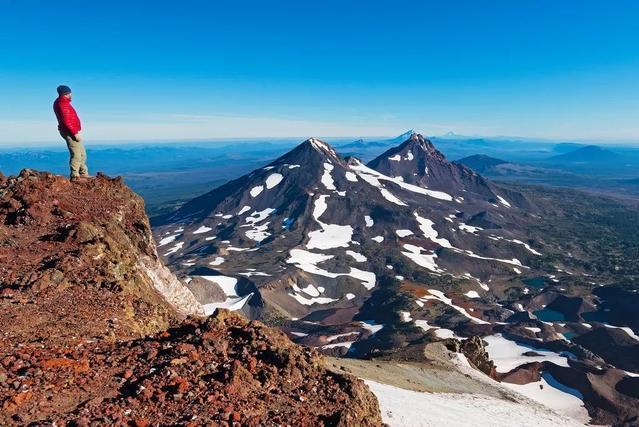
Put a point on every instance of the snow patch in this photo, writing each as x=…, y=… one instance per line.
x=504, y=201
x=330, y=235
x=426, y=226
x=168, y=240
x=228, y=286
x=273, y=179
x=255, y=191
x=202, y=229
x=369, y=221
x=469, y=228
x=327, y=178
x=356, y=256
x=373, y=177
x=350, y=176
x=427, y=260
x=232, y=304
x=217, y=261
x=307, y=261
x=371, y=326
x=174, y=249
x=312, y=292
x=244, y=210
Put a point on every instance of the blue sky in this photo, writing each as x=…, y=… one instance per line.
x=206, y=69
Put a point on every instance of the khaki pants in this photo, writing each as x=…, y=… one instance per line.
x=78, y=160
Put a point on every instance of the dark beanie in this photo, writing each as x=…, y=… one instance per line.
x=63, y=90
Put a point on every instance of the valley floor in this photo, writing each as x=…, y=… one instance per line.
x=422, y=394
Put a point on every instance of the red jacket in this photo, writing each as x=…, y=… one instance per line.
x=68, y=119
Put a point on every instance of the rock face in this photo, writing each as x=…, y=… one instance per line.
x=475, y=351
x=78, y=260
x=95, y=328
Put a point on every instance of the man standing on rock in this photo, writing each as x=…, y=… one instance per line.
x=69, y=127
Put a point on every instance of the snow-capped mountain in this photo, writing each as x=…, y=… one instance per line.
x=313, y=234
x=379, y=259
x=418, y=162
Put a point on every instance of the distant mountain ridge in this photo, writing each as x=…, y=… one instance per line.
x=587, y=154
x=481, y=163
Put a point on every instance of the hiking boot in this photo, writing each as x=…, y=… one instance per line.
x=83, y=178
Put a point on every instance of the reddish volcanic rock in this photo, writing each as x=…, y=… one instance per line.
x=257, y=377
x=85, y=306
x=77, y=260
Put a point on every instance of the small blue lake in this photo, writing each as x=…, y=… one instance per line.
x=535, y=282
x=548, y=315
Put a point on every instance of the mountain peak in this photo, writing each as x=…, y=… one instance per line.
x=418, y=162
x=318, y=144
x=403, y=137
x=306, y=148
x=418, y=141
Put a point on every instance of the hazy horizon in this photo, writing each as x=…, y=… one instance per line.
x=54, y=143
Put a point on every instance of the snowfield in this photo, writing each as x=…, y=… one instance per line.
x=407, y=408
x=331, y=235
x=508, y=354
x=307, y=261
x=554, y=395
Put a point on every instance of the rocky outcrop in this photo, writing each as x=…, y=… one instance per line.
x=221, y=371
x=475, y=351
x=96, y=331
x=78, y=261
